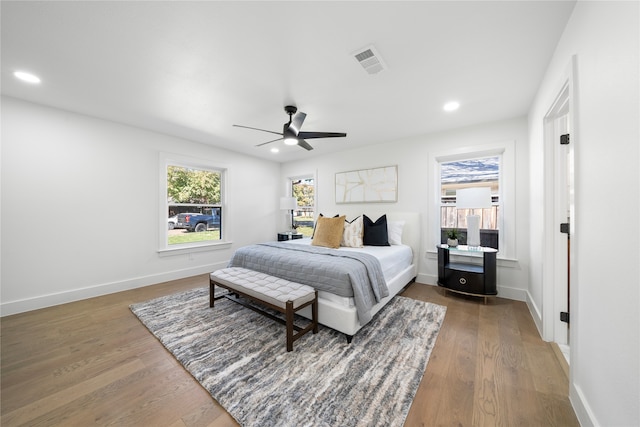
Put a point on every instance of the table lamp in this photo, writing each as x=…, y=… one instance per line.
x=289, y=204
x=473, y=198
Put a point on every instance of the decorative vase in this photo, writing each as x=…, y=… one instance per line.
x=452, y=243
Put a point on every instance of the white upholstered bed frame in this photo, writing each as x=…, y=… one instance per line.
x=345, y=319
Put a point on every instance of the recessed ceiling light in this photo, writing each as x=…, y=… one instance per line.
x=275, y=150
x=451, y=106
x=27, y=77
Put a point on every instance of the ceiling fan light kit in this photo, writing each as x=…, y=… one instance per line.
x=291, y=133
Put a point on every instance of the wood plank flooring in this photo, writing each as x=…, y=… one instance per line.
x=93, y=363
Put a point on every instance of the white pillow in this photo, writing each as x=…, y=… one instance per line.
x=352, y=234
x=394, y=229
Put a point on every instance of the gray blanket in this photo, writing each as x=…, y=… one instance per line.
x=344, y=273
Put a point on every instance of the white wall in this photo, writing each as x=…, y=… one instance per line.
x=80, y=206
x=605, y=300
x=84, y=192
x=414, y=172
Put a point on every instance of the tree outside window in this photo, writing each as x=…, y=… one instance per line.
x=193, y=205
x=304, y=192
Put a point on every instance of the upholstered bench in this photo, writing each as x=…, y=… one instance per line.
x=279, y=294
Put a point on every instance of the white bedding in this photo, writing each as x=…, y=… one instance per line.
x=393, y=259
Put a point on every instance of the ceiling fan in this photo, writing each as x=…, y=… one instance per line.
x=291, y=133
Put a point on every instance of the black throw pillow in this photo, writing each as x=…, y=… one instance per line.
x=375, y=233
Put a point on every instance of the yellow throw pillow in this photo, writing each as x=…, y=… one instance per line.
x=328, y=232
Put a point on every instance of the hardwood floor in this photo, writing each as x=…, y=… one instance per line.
x=93, y=363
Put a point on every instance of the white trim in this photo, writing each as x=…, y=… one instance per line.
x=535, y=311
x=49, y=300
x=508, y=292
x=500, y=261
x=553, y=285
x=583, y=410
x=166, y=159
x=194, y=247
x=289, y=193
x=507, y=218
x=427, y=279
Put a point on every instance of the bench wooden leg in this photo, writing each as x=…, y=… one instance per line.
x=314, y=314
x=212, y=290
x=289, y=315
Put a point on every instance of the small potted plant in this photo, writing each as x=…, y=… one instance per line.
x=452, y=237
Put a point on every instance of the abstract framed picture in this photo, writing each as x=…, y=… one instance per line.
x=377, y=185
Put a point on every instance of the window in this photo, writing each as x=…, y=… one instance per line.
x=477, y=172
x=304, y=191
x=191, y=204
x=463, y=166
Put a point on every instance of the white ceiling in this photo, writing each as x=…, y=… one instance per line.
x=193, y=69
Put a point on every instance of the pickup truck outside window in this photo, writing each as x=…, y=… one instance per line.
x=194, y=209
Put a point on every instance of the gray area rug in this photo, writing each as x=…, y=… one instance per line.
x=219, y=292
x=240, y=357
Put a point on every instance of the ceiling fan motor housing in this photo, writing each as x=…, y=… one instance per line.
x=290, y=109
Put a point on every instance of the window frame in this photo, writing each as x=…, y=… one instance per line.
x=291, y=180
x=169, y=159
x=496, y=205
x=506, y=198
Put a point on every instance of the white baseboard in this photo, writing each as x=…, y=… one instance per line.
x=427, y=279
x=583, y=411
x=13, y=307
x=536, y=314
x=35, y=303
x=512, y=293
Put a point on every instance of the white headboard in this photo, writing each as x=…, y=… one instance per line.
x=411, y=234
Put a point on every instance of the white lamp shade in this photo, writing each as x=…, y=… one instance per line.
x=473, y=198
x=288, y=203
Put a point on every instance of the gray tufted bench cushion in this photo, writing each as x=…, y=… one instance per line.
x=279, y=294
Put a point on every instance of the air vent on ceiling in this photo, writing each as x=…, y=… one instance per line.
x=370, y=60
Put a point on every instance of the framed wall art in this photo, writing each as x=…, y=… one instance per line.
x=378, y=185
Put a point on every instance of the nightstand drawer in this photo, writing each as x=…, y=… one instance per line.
x=289, y=236
x=465, y=281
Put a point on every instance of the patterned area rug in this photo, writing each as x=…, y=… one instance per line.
x=219, y=292
x=240, y=357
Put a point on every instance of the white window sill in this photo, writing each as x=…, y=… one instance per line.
x=191, y=248
x=502, y=261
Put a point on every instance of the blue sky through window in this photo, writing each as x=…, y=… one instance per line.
x=473, y=170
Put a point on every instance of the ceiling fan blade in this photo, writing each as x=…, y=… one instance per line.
x=291, y=133
x=296, y=122
x=311, y=135
x=268, y=142
x=304, y=144
x=262, y=130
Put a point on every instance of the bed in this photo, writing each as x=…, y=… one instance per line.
x=336, y=308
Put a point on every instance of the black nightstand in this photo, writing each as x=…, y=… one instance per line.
x=466, y=278
x=288, y=236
